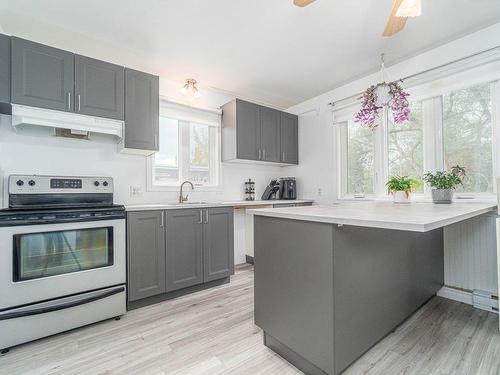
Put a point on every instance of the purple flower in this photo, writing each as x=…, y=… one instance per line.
x=370, y=112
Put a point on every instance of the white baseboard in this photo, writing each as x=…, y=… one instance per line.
x=455, y=294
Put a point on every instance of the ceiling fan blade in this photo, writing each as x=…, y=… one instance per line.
x=394, y=24
x=302, y=3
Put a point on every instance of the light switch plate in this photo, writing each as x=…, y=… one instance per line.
x=136, y=191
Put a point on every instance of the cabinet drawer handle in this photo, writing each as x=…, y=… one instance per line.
x=69, y=100
x=79, y=102
x=206, y=216
x=201, y=217
x=162, y=220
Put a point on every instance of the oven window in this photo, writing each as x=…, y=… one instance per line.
x=45, y=254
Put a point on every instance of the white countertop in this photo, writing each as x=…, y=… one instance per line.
x=174, y=206
x=418, y=217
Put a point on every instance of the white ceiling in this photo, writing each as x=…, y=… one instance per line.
x=267, y=50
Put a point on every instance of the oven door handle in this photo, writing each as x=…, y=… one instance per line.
x=60, y=304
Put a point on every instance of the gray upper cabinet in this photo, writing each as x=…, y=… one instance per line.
x=289, y=138
x=146, y=254
x=99, y=88
x=270, y=134
x=252, y=132
x=218, y=243
x=42, y=76
x=141, y=111
x=4, y=69
x=184, y=248
x=248, y=130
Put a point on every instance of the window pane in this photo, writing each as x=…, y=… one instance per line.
x=199, y=148
x=360, y=159
x=467, y=136
x=166, y=160
x=405, y=146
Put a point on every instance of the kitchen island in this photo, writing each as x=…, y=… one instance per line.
x=331, y=281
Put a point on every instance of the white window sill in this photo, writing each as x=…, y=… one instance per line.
x=176, y=188
x=421, y=199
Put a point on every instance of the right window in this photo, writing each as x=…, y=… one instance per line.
x=467, y=136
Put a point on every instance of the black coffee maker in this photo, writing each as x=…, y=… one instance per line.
x=288, y=188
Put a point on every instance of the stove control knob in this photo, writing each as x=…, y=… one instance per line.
x=31, y=183
x=96, y=183
x=19, y=182
x=105, y=183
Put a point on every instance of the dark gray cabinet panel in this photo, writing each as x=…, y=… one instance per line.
x=99, y=88
x=4, y=68
x=294, y=286
x=289, y=138
x=218, y=243
x=184, y=248
x=141, y=110
x=270, y=134
x=42, y=76
x=248, y=130
x=146, y=254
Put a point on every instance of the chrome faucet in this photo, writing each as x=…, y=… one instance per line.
x=183, y=198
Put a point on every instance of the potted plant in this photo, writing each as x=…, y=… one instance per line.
x=444, y=182
x=401, y=187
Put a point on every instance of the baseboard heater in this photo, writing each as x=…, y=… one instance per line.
x=485, y=301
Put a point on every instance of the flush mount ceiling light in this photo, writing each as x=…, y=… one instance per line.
x=190, y=88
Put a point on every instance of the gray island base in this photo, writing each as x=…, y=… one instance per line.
x=326, y=293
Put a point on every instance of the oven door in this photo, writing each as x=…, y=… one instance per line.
x=42, y=262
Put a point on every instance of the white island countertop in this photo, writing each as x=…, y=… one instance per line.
x=416, y=216
x=208, y=204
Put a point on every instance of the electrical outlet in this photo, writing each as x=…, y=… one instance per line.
x=320, y=191
x=136, y=191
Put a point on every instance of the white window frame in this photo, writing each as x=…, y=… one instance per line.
x=181, y=113
x=430, y=95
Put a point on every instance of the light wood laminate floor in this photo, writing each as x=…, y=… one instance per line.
x=212, y=332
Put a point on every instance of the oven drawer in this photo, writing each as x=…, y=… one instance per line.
x=38, y=320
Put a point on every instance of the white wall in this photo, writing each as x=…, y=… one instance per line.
x=317, y=154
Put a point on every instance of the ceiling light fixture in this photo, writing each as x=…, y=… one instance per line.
x=190, y=88
x=410, y=8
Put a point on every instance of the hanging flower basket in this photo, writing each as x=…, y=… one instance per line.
x=376, y=97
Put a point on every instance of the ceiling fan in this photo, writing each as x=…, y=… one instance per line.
x=401, y=10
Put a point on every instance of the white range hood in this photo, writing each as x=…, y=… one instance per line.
x=24, y=115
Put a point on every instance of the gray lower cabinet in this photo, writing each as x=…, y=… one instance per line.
x=184, y=248
x=289, y=138
x=141, y=111
x=270, y=134
x=99, y=88
x=145, y=254
x=42, y=76
x=176, y=249
x=4, y=70
x=218, y=243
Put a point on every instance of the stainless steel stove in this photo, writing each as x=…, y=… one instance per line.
x=62, y=256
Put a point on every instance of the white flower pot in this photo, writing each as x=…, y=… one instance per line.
x=401, y=196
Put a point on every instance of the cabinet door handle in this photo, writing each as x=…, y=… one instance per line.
x=69, y=100
x=206, y=216
x=260, y=154
x=162, y=219
x=201, y=217
x=79, y=102
x=264, y=154
x=156, y=140
x=283, y=155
